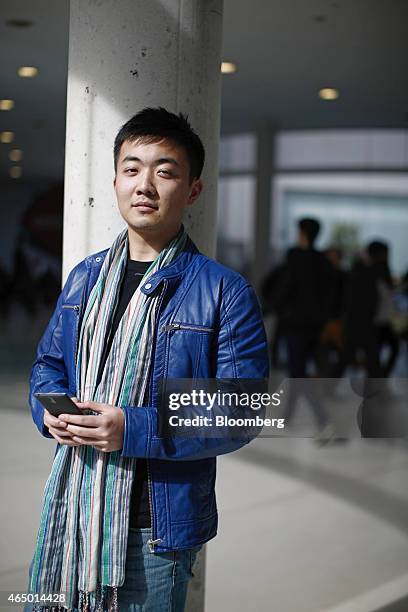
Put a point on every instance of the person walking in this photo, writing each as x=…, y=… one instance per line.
x=304, y=301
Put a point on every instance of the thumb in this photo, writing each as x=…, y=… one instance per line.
x=95, y=406
x=78, y=403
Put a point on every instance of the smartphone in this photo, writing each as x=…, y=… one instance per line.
x=57, y=403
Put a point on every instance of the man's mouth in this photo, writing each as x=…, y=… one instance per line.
x=145, y=206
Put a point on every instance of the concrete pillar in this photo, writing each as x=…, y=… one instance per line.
x=262, y=210
x=124, y=56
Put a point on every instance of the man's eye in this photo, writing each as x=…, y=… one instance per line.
x=165, y=172
x=130, y=170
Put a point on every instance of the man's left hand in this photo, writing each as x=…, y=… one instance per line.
x=103, y=431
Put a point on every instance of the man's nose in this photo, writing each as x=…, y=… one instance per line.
x=145, y=184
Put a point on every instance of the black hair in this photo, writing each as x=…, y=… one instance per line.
x=153, y=125
x=378, y=250
x=310, y=227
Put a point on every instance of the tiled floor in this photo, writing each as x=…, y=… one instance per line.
x=302, y=529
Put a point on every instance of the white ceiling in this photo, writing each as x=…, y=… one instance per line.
x=285, y=51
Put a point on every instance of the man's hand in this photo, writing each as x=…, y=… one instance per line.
x=103, y=431
x=58, y=430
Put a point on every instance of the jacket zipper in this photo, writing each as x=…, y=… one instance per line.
x=152, y=542
x=75, y=307
x=175, y=326
x=167, y=328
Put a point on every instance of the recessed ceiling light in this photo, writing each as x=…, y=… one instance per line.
x=16, y=155
x=329, y=93
x=6, y=137
x=19, y=23
x=16, y=172
x=228, y=67
x=27, y=71
x=6, y=105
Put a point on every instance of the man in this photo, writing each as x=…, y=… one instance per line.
x=304, y=302
x=369, y=310
x=126, y=510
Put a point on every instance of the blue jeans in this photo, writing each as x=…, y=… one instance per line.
x=154, y=582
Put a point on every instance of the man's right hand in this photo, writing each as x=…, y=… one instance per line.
x=59, y=433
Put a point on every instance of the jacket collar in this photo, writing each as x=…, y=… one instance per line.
x=176, y=268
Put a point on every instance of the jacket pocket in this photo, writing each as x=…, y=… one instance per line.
x=188, y=350
x=191, y=486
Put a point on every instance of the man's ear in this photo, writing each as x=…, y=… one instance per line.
x=195, y=190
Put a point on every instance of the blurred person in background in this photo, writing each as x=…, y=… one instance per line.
x=386, y=337
x=303, y=301
x=369, y=312
x=4, y=292
x=368, y=322
x=331, y=341
x=36, y=275
x=269, y=291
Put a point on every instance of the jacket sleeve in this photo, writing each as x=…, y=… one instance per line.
x=49, y=372
x=240, y=352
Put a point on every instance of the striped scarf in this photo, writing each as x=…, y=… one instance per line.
x=82, y=539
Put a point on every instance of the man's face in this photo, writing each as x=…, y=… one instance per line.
x=153, y=188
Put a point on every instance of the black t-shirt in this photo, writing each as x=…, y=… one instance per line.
x=139, y=503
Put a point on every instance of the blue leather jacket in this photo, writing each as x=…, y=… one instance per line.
x=208, y=326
